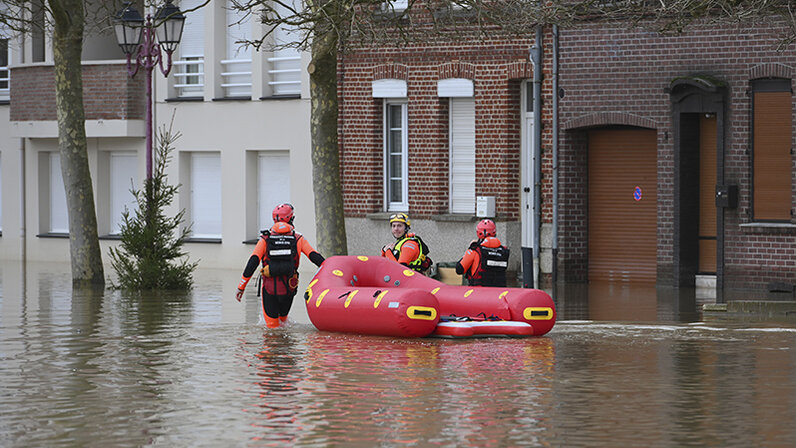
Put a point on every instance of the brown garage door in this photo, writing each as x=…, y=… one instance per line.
x=622, y=205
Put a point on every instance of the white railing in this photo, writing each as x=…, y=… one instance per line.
x=5, y=92
x=285, y=75
x=236, y=77
x=190, y=76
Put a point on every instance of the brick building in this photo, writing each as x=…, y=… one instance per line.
x=672, y=154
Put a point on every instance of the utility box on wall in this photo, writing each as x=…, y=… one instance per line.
x=485, y=206
x=727, y=196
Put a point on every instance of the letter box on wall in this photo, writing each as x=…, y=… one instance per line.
x=727, y=196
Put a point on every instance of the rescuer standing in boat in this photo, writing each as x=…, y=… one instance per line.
x=279, y=251
x=408, y=249
x=486, y=260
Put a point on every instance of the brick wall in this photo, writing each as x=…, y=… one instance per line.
x=612, y=75
x=108, y=93
x=494, y=66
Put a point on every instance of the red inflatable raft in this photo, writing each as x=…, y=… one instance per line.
x=377, y=296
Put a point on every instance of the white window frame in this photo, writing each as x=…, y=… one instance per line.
x=285, y=63
x=121, y=181
x=460, y=207
x=236, y=69
x=5, y=73
x=1, y=193
x=266, y=179
x=59, y=212
x=200, y=187
x=403, y=204
x=190, y=67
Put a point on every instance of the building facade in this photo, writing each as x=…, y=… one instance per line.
x=665, y=159
x=244, y=145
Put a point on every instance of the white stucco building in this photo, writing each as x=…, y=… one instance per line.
x=243, y=116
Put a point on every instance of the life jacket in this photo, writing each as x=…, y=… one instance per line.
x=423, y=261
x=282, y=258
x=492, y=268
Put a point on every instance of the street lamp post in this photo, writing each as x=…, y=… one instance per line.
x=149, y=39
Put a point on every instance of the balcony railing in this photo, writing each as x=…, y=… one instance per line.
x=190, y=76
x=5, y=93
x=236, y=77
x=285, y=75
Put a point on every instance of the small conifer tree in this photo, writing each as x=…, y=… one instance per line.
x=150, y=255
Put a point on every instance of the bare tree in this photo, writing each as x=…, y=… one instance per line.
x=66, y=19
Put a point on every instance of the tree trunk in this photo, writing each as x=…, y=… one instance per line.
x=329, y=219
x=85, y=254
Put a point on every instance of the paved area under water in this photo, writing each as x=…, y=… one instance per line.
x=623, y=366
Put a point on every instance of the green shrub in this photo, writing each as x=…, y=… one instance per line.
x=151, y=255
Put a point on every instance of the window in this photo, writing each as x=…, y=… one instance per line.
x=59, y=217
x=37, y=33
x=123, y=169
x=5, y=61
x=285, y=68
x=772, y=176
x=237, y=67
x=190, y=68
x=205, y=173
x=273, y=184
x=395, y=5
x=396, y=162
x=462, y=155
x=1, y=194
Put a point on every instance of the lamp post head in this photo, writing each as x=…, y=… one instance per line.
x=169, y=22
x=128, y=23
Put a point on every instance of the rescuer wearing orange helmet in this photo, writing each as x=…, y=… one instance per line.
x=407, y=249
x=486, y=260
x=279, y=251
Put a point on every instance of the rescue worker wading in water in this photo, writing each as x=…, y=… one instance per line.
x=486, y=260
x=278, y=251
x=408, y=249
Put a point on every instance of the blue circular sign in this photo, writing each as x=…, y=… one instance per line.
x=637, y=194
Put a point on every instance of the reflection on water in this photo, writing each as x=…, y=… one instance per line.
x=623, y=367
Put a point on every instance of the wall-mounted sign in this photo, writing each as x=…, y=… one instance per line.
x=637, y=193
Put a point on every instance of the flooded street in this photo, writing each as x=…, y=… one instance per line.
x=622, y=367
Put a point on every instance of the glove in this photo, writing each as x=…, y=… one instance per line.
x=239, y=294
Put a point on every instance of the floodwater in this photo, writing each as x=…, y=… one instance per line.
x=622, y=367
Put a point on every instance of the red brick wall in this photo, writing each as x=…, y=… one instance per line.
x=612, y=75
x=108, y=93
x=495, y=68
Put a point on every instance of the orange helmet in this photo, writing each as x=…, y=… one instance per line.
x=486, y=228
x=283, y=213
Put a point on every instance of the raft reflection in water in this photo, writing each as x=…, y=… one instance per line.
x=376, y=296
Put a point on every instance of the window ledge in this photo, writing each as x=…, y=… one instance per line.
x=5, y=102
x=203, y=240
x=769, y=227
x=116, y=237
x=444, y=217
x=52, y=235
x=233, y=98
x=193, y=99
x=253, y=241
x=281, y=97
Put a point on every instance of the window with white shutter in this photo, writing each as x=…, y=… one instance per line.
x=273, y=178
x=5, y=61
x=59, y=217
x=462, y=155
x=396, y=163
x=237, y=67
x=285, y=69
x=206, y=195
x=123, y=173
x=190, y=68
x=1, y=193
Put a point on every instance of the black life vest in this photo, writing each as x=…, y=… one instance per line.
x=282, y=258
x=492, y=269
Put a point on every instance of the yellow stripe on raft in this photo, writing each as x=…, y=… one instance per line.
x=309, y=289
x=337, y=272
x=362, y=258
x=409, y=272
x=421, y=312
x=350, y=296
x=503, y=294
x=378, y=299
x=537, y=313
x=320, y=297
x=435, y=290
x=467, y=294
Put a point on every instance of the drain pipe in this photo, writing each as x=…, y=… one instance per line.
x=530, y=234
x=22, y=204
x=555, y=155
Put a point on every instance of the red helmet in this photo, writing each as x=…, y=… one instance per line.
x=283, y=213
x=486, y=228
